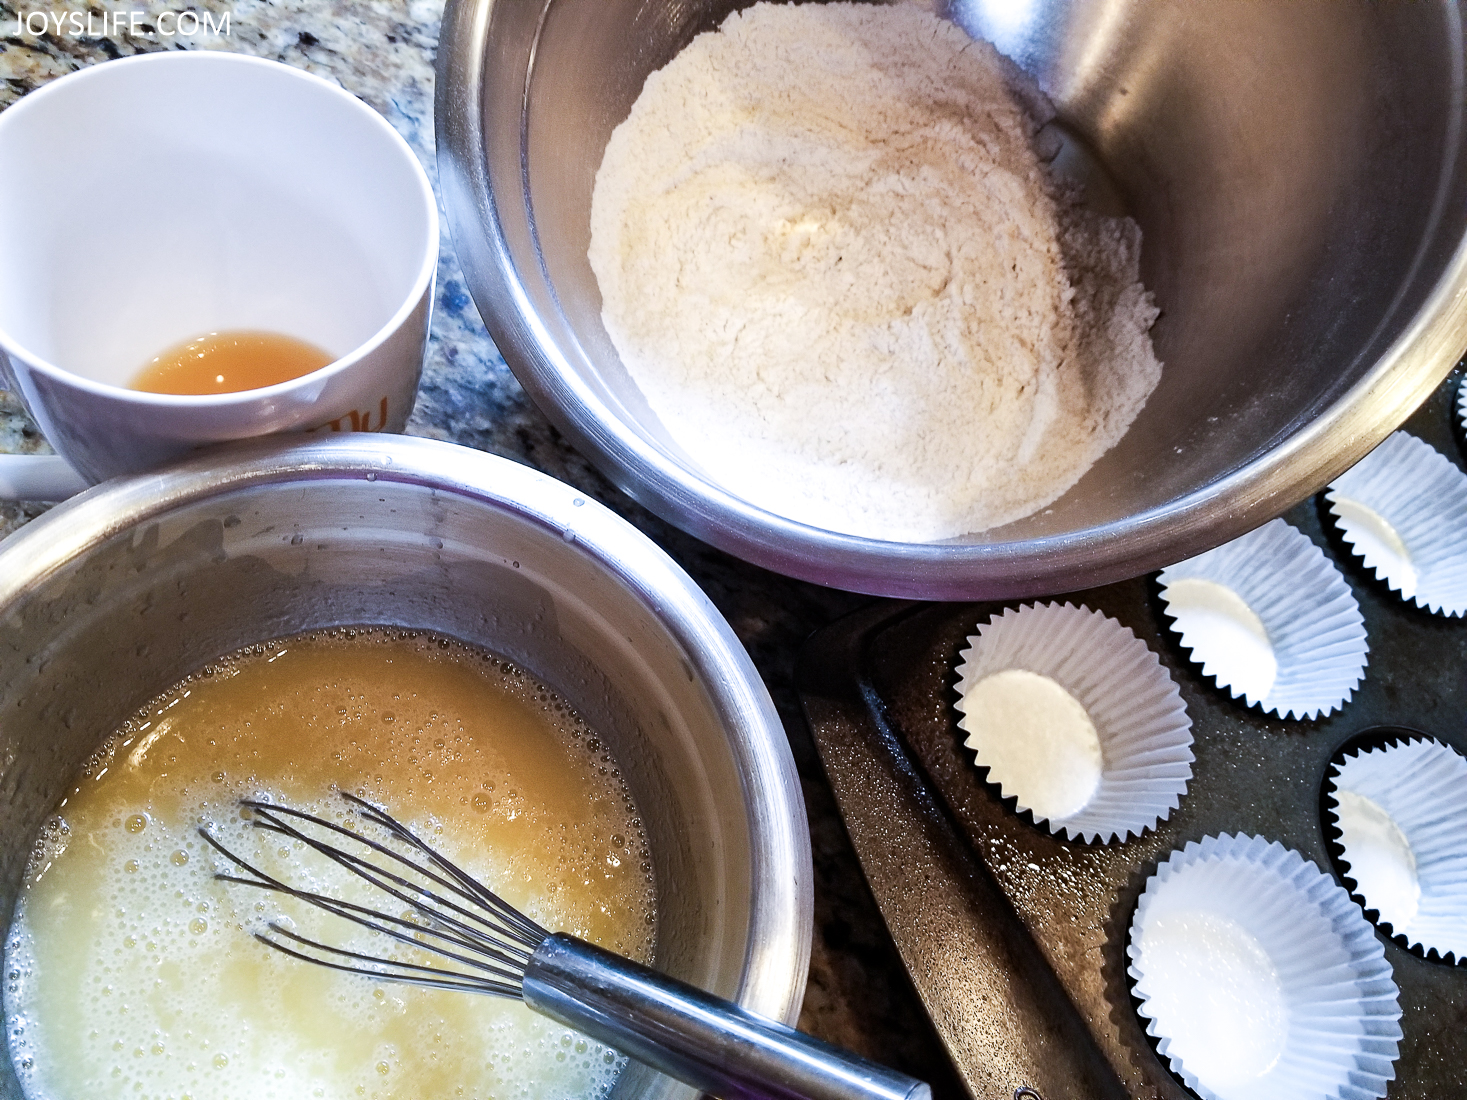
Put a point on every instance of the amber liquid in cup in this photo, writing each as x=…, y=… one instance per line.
x=228, y=362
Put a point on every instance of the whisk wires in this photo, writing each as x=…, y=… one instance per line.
x=450, y=915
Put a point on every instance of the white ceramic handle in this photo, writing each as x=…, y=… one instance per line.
x=38, y=477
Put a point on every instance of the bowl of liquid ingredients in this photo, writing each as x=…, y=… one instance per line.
x=516, y=673
x=904, y=312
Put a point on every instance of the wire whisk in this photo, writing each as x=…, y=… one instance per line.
x=463, y=936
x=453, y=914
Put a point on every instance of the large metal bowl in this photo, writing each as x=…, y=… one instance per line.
x=118, y=593
x=1297, y=171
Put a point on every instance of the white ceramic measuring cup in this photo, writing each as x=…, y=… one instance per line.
x=152, y=199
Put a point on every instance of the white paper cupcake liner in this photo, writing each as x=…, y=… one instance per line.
x=1403, y=509
x=1307, y=622
x=1144, y=733
x=1420, y=786
x=1260, y=978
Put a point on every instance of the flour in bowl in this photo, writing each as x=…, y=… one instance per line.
x=831, y=259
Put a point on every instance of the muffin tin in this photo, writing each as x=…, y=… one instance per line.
x=1017, y=939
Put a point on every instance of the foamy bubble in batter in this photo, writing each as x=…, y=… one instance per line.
x=131, y=971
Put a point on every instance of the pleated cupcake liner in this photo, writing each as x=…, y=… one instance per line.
x=1308, y=612
x=1337, y=995
x=1136, y=708
x=1420, y=784
x=1421, y=498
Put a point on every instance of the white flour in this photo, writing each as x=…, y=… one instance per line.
x=833, y=263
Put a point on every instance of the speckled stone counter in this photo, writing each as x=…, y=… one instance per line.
x=382, y=51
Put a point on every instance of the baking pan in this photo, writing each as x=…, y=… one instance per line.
x=1016, y=938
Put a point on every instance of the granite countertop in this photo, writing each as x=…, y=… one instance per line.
x=382, y=51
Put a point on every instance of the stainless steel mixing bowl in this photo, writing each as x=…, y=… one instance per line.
x=1296, y=168
x=115, y=595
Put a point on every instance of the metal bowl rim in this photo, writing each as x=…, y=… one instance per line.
x=1215, y=512
x=781, y=921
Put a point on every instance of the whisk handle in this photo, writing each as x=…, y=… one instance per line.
x=698, y=1038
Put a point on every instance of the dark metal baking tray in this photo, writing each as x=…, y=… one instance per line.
x=1015, y=938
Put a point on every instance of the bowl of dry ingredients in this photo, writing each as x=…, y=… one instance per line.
x=1004, y=300
x=500, y=662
